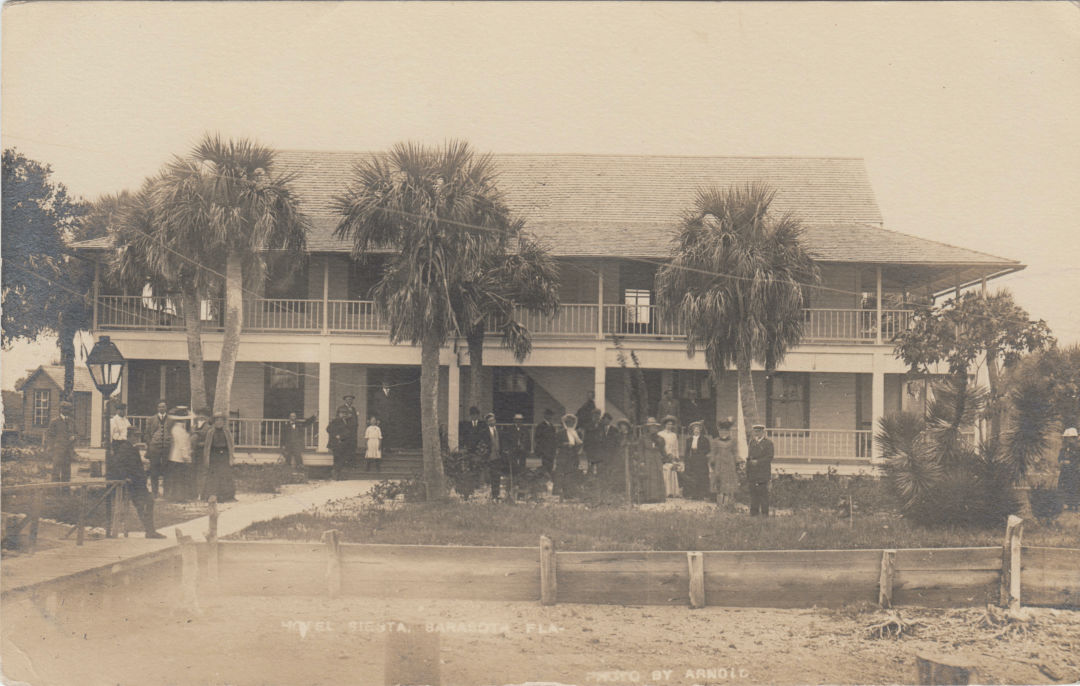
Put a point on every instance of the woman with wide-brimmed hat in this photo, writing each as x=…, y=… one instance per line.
x=695, y=477
x=567, y=454
x=180, y=472
x=722, y=475
x=672, y=459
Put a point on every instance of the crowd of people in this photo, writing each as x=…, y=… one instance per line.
x=656, y=462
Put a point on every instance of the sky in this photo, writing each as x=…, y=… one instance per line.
x=965, y=113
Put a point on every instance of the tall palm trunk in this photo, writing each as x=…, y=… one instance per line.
x=66, y=342
x=191, y=305
x=429, y=416
x=475, y=341
x=230, y=344
x=746, y=393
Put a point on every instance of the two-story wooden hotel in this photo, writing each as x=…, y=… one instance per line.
x=314, y=335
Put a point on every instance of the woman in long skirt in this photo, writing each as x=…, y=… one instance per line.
x=218, y=458
x=567, y=456
x=649, y=471
x=722, y=478
x=695, y=479
x=180, y=477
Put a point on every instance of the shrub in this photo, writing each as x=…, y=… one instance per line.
x=465, y=470
x=1046, y=503
x=830, y=491
x=388, y=490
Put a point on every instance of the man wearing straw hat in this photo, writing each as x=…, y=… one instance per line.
x=60, y=441
x=759, y=470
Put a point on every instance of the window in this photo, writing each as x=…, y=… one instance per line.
x=637, y=301
x=787, y=400
x=42, y=406
x=511, y=381
x=284, y=375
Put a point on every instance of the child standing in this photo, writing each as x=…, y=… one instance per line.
x=373, y=454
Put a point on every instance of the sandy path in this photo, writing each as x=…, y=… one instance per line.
x=291, y=640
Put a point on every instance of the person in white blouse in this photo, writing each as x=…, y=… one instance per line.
x=673, y=463
x=119, y=423
x=373, y=454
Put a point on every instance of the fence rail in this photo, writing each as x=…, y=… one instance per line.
x=821, y=443
x=572, y=319
x=250, y=432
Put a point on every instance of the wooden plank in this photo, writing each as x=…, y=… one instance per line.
x=945, y=588
x=549, y=589
x=1038, y=556
x=936, y=670
x=274, y=578
x=695, y=563
x=911, y=559
x=647, y=562
x=885, y=579
x=1050, y=576
x=625, y=588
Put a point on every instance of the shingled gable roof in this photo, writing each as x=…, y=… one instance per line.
x=629, y=205
x=55, y=373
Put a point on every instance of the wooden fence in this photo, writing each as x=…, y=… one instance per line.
x=933, y=577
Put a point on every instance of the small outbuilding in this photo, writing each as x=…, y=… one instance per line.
x=41, y=401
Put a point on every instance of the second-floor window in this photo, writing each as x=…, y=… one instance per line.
x=637, y=302
x=42, y=406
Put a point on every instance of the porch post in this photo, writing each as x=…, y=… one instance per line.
x=326, y=295
x=600, y=378
x=97, y=293
x=877, y=326
x=600, y=306
x=324, y=397
x=742, y=434
x=453, y=399
x=877, y=401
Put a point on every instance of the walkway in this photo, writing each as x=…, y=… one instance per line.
x=22, y=573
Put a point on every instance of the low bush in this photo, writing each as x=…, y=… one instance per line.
x=1046, y=503
x=412, y=488
x=465, y=471
x=830, y=491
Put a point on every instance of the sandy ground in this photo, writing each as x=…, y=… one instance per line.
x=146, y=638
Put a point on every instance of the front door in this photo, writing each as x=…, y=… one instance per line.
x=394, y=397
x=284, y=390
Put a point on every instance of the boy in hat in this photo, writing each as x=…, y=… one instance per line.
x=759, y=470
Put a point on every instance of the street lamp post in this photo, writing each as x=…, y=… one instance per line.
x=106, y=366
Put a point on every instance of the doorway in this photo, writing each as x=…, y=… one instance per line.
x=393, y=395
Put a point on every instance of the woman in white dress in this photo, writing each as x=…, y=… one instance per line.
x=673, y=463
x=180, y=483
x=373, y=454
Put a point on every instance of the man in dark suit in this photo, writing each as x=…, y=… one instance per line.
x=544, y=442
x=294, y=439
x=759, y=470
x=489, y=445
x=469, y=430
x=60, y=439
x=125, y=464
x=515, y=441
x=158, y=440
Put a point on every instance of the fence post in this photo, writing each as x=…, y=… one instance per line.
x=37, y=503
x=189, y=571
x=333, y=562
x=885, y=581
x=81, y=519
x=549, y=590
x=1010, y=564
x=697, y=578
x=212, y=542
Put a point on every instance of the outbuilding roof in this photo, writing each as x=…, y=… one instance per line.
x=55, y=374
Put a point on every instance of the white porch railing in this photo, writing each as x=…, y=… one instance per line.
x=821, y=443
x=251, y=433
x=822, y=326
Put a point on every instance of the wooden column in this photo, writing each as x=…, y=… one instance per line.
x=600, y=377
x=1010, y=564
x=324, y=395
x=600, y=305
x=697, y=578
x=97, y=294
x=453, y=398
x=333, y=562
x=549, y=589
x=326, y=295
x=877, y=323
x=877, y=399
x=885, y=580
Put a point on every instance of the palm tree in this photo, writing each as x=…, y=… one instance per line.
x=736, y=283
x=525, y=278
x=145, y=255
x=440, y=209
x=224, y=204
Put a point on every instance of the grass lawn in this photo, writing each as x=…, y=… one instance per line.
x=574, y=527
